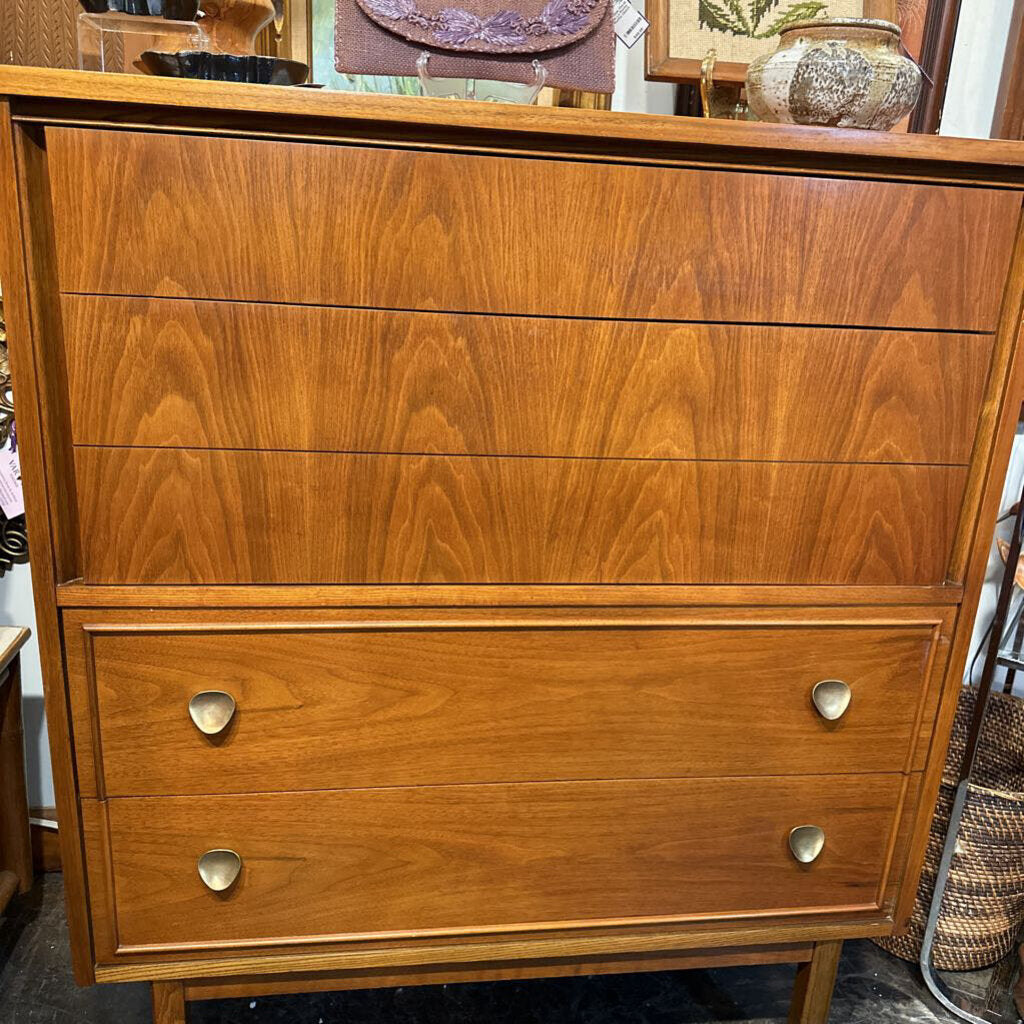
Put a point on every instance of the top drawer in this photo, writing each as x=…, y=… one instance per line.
x=163, y=215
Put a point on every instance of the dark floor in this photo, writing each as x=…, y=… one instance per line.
x=36, y=988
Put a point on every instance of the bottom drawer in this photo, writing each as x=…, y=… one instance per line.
x=494, y=857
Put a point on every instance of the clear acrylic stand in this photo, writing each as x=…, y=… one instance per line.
x=113, y=41
x=480, y=88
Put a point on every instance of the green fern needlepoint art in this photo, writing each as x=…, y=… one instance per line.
x=755, y=19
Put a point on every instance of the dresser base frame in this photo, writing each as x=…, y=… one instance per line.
x=812, y=992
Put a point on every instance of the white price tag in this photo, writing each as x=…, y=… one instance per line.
x=630, y=24
x=11, y=499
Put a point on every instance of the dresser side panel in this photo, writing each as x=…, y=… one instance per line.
x=1001, y=413
x=33, y=325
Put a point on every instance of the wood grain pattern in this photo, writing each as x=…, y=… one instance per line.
x=233, y=25
x=45, y=841
x=459, y=859
x=235, y=375
x=999, y=416
x=234, y=617
x=91, y=97
x=84, y=595
x=299, y=953
x=941, y=260
x=815, y=980
x=169, y=1003
x=652, y=237
x=252, y=987
x=33, y=325
x=385, y=707
x=194, y=516
x=84, y=626
x=603, y=939
x=194, y=964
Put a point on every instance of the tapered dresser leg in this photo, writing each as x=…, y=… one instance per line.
x=169, y=1003
x=812, y=993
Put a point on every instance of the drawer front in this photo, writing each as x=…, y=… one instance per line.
x=470, y=858
x=150, y=214
x=367, y=704
x=201, y=516
x=203, y=375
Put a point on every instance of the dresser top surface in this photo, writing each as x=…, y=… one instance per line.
x=12, y=639
x=45, y=94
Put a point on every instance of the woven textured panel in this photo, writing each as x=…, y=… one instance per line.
x=983, y=906
x=39, y=32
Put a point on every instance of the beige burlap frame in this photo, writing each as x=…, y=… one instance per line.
x=586, y=61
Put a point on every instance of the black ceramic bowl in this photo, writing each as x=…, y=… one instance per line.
x=224, y=67
x=173, y=10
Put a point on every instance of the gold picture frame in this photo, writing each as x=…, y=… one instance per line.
x=667, y=64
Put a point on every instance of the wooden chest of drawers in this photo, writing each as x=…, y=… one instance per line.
x=473, y=542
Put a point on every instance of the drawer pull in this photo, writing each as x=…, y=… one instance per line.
x=806, y=843
x=831, y=697
x=211, y=711
x=219, y=868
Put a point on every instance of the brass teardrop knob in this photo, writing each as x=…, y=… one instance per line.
x=211, y=711
x=831, y=698
x=806, y=843
x=219, y=868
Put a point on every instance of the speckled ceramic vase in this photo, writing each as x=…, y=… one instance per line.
x=846, y=73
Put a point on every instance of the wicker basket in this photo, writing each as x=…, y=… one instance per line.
x=983, y=906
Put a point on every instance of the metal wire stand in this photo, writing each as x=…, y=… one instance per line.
x=993, y=658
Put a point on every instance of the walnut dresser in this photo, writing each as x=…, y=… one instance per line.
x=482, y=542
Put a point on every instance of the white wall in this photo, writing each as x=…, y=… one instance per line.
x=974, y=74
x=632, y=91
x=16, y=609
x=973, y=80
x=994, y=573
